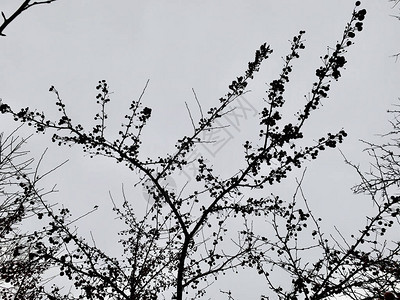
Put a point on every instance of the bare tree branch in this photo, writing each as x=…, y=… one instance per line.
x=24, y=6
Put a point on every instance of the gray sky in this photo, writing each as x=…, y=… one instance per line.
x=180, y=45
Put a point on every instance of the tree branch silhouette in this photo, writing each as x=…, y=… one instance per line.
x=185, y=240
x=24, y=6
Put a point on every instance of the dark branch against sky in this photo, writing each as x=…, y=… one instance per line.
x=24, y=6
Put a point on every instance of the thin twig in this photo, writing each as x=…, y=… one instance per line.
x=190, y=116
x=198, y=103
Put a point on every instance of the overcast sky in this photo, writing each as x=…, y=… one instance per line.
x=204, y=45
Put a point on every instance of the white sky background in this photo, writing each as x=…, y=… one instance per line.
x=180, y=45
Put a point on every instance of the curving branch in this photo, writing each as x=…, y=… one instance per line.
x=24, y=6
